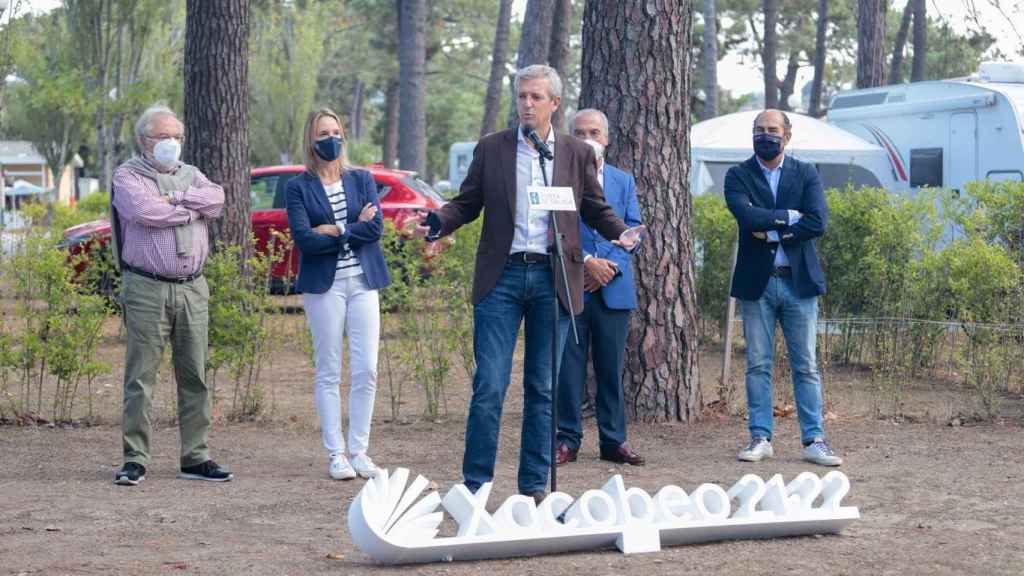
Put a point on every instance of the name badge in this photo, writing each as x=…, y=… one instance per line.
x=551, y=198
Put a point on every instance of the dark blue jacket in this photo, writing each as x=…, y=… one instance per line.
x=750, y=200
x=308, y=208
x=620, y=194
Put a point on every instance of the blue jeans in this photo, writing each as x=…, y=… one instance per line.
x=799, y=320
x=523, y=291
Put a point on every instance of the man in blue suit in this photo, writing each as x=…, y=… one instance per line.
x=609, y=295
x=780, y=208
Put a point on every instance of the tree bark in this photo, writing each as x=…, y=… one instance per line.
x=533, y=43
x=499, y=55
x=920, y=41
x=412, y=109
x=558, y=52
x=217, y=109
x=814, y=109
x=769, y=53
x=896, y=69
x=355, y=120
x=709, y=51
x=788, y=84
x=390, y=145
x=871, y=42
x=634, y=70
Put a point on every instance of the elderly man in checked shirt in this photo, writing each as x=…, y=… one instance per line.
x=160, y=208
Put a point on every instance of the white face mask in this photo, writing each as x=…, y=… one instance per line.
x=166, y=152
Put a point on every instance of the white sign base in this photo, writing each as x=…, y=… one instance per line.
x=391, y=523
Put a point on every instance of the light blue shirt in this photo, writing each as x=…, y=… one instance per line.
x=531, y=226
x=773, y=177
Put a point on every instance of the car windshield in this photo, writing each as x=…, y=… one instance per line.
x=262, y=190
x=423, y=188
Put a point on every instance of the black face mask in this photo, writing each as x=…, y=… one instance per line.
x=767, y=146
x=328, y=148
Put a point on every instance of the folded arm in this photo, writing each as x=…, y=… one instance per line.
x=308, y=240
x=750, y=218
x=138, y=205
x=814, y=216
x=204, y=197
x=368, y=232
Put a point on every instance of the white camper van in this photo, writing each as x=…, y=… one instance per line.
x=943, y=133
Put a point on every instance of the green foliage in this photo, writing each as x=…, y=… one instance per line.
x=714, y=232
x=968, y=281
x=54, y=334
x=241, y=327
x=994, y=212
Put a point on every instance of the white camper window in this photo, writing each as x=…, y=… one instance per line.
x=926, y=167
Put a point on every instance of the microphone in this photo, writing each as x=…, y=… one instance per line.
x=540, y=145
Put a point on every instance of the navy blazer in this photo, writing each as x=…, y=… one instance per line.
x=620, y=193
x=308, y=208
x=750, y=200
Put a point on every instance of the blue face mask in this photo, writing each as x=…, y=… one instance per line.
x=767, y=146
x=328, y=148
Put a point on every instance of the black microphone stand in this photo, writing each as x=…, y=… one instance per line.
x=556, y=256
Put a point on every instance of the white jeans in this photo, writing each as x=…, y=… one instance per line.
x=348, y=302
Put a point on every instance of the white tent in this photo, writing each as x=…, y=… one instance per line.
x=841, y=158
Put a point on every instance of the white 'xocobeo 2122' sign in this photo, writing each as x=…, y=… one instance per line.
x=389, y=521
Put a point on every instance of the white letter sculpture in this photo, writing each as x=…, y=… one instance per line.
x=391, y=523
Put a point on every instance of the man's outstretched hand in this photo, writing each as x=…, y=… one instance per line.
x=631, y=238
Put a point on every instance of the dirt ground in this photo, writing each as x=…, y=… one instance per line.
x=934, y=498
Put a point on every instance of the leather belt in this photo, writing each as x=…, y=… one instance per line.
x=527, y=258
x=181, y=280
x=782, y=271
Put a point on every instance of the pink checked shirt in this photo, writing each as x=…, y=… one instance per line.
x=147, y=222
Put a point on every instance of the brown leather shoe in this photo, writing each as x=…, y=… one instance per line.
x=538, y=496
x=565, y=454
x=622, y=455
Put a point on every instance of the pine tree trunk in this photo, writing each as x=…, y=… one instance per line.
x=499, y=55
x=769, y=53
x=558, y=52
x=355, y=120
x=634, y=70
x=920, y=41
x=871, y=42
x=533, y=43
x=709, y=50
x=412, y=101
x=217, y=109
x=817, y=83
x=390, y=144
x=788, y=84
x=896, y=69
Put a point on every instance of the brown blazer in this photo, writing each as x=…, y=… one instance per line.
x=490, y=185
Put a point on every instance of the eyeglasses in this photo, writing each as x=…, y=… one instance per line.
x=179, y=137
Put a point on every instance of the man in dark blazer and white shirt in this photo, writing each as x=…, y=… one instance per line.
x=780, y=207
x=512, y=280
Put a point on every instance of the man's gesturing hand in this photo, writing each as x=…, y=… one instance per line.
x=600, y=270
x=630, y=239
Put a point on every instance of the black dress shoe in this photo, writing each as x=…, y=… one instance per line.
x=622, y=455
x=538, y=496
x=565, y=454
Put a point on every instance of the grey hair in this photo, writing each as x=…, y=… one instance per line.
x=594, y=111
x=786, y=124
x=146, y=120
x=536, y=71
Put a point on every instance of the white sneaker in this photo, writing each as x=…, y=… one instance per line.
x=819, y=452
x=340, y=469
x=364, y=466
x=758, y=449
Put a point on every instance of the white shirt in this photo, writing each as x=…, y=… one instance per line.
x=531, y=226
x=773, y=177
x=348, y=262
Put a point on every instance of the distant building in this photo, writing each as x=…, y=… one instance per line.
x=26, y=175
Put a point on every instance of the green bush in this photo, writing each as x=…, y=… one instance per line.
x=967, y=281
x=714, y=232
x=873, y=239
x=994, y=212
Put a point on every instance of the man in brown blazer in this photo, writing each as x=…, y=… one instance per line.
x=512, y=280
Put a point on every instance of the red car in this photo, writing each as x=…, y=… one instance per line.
x=401, y=195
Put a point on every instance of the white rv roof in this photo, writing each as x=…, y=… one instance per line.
x=728, y=138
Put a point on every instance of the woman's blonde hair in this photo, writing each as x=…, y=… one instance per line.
x=310, y=159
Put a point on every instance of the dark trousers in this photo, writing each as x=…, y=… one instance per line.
x=605, y=329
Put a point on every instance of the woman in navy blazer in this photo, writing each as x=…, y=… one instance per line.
x=335, y=220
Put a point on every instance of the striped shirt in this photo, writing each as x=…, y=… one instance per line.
x=148, y=221
x=348, y=263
